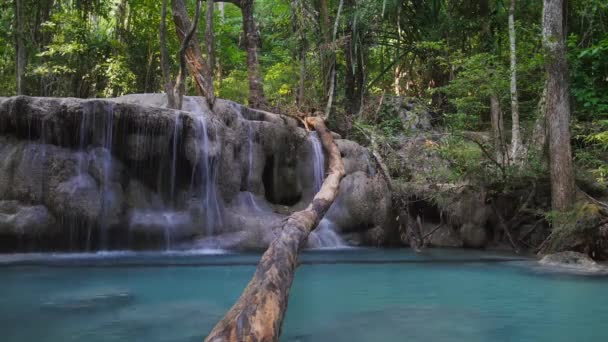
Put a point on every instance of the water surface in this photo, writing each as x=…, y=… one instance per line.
x=342, y=295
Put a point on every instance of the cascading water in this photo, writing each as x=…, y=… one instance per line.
x=325, y=236
x=106, y=161
x=176, y=134
x=206, y=172
x=98, y=120
x=318, y=160
x=247, y=198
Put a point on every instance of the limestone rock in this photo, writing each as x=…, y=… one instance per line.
x=473, y=235
x=25, y=220
x=568, y=258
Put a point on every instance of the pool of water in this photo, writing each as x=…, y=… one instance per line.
x=342, y=295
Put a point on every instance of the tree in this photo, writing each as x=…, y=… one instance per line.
x=252, y=43
x=332, y=74
x=193, y=55
x=557, y=105
x=175, y=91
x=516, y=143
x=19, y=46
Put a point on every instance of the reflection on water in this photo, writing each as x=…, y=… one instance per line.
x=347, y=295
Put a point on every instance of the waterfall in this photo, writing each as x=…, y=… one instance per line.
x=176, y=133
x=318, y=160
x=206, y=171
x=97, y=119
x=106, y=195
x=325, y=236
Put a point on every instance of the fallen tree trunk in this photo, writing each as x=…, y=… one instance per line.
x=259, y=312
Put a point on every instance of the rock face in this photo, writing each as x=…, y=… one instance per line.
x=129, y=173
x=23, y=220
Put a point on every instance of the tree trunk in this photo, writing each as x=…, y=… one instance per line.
x=538, y=140
x=258, y=314
x=325, y=55
x=332, y=81
x=349, y=78
x=19, y=47
x=180, y=83
x=164, y=58
x=252, y=41
x=558, y=106
x=210, y=39
x=498, y=128
x=516, y=142
x=195, y=61
x=298, y=25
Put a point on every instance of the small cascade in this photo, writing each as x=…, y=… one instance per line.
x=169, y=224
x=97, y=119
x=248, y=202
x=206, y=172
x=318, y=160
x=246, y=199
x=106, y=162
x=325, y=236
x=174, y=143
x=249, y=152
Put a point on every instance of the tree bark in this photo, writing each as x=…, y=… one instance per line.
x=516, y=142
x=332, y=80
x=210, y=38
x=164, y=58
x=259, y=312
x=256, y=99
x=180, y=83
x=19, y=47
x=558, y=106
x=195, y=61
x=498, y=128
x=325, y=58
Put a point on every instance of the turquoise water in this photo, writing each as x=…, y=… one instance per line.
x=347, y=295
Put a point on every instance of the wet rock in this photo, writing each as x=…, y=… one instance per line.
x=25, y=220
x=78, y=196
x=139, y=196
x=473, y=235
x=569, y=258
x=445, y=236
x=363, y=202
x=162, y=224
x=355, y=157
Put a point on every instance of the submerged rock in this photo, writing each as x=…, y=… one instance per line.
x=90, y=301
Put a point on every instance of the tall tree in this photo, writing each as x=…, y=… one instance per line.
x=209, y=37
x=256, y=99
x=332, y=74
x=194, y=57
x=164, y=58
x=557, y=105
x=19, y=46
x=516, y=143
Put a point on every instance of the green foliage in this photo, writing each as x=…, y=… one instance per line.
x=589, y=80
